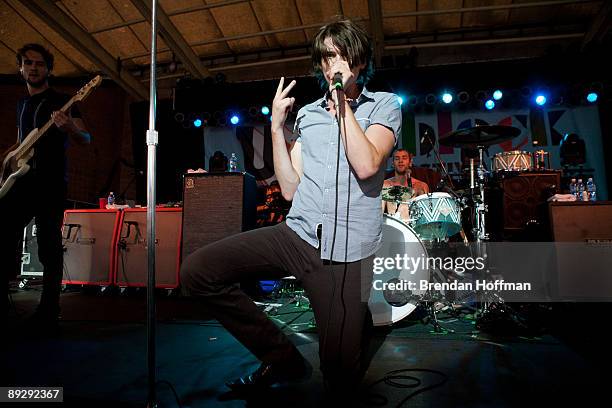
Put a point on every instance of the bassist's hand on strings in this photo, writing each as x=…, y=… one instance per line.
x=64, y=122
x=73, y=126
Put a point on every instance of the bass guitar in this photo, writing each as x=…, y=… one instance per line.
x=15, y=164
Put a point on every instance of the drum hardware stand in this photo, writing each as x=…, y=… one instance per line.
x=433, y=297
x=442, y=165
x=480, y=209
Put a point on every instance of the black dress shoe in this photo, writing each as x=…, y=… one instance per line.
x=268, y=375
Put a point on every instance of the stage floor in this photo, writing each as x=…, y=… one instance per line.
x=99, y=357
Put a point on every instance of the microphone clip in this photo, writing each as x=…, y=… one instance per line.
x=337, y=81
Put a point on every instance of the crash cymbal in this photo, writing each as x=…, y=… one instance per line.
x=479, y=136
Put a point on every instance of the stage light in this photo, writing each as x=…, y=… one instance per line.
x=447, y=98
x=400, y=100
x=197, y=123
x=463, y=97
x=592, y=97
x=489, y=104
x=540, y=100
x=497, y=94
x=430, y=99
x=235, y=119
x=265, y=110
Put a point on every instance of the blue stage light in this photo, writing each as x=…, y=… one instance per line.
x=265, y=110
x=540, y=100
x=447, y=98
x=592, y=97
x=197, y=123
x=400, y=99
x=497, y=94
x=489, y=104
x=234, y=119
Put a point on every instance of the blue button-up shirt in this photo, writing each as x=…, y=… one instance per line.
x=359, y=206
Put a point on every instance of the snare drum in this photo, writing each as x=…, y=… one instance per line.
x=514, y=160
x=390, y=306
x=435, y=216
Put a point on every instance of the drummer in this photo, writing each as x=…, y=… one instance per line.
x=402, y=166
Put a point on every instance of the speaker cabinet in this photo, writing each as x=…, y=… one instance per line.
x=132, y=249
x=215, y=206
x=89, y=238
x=523, y=194
x=581, y=221
x=30, y=264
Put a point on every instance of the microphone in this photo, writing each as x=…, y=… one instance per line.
x=337, y=81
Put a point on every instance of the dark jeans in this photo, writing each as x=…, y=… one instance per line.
x=336, y=292
x=29, y=198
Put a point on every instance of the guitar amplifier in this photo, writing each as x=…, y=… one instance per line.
x=524, y=194
x=90, y=240
x=132, y=250
x=579, y=221
x=30, y=264
x=215, y=206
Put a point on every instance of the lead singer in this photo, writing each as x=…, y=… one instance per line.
x=334, y=175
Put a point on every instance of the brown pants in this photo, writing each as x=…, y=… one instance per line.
x=337, y=293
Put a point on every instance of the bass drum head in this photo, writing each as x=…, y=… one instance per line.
x=401, y=261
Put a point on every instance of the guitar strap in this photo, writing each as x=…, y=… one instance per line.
x=21, y=132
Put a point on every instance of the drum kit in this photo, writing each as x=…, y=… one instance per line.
x=429, y=223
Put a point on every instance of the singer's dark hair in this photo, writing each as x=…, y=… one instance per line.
x=47, y=56
x=353, y=43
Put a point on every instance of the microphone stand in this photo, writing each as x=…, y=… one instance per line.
x=152, y=139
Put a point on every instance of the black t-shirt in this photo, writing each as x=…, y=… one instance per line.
x=49, y=161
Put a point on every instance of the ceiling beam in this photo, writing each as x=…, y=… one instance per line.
x=600, y=26
x=83, y=42
x=376, y=27
x=174, y=13
x=174, y=39
x=512, y=6
x=250, y=35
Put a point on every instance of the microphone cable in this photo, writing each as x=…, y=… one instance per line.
x=331, y=256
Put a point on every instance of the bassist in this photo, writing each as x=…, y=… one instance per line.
x=41, y=193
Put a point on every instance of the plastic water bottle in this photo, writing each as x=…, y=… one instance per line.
x=111, y=198
x=579, y=190
x=233, y=163
x=591, y=189
x=572, y=187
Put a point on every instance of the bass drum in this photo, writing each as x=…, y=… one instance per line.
x=399, y=242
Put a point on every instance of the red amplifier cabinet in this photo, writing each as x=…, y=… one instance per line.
x=89, y=239
x=131, y=254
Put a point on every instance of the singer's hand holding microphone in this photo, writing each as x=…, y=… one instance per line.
x=281, y=106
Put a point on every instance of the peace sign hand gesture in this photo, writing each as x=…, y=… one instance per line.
x=281, y=105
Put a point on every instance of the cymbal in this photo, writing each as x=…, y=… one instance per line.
x=397, y=193
x=479, y=136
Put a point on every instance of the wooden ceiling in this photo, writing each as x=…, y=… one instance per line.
x=262, y=39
